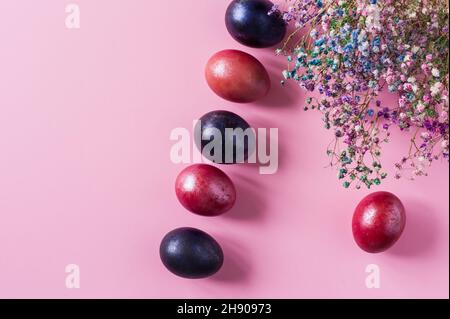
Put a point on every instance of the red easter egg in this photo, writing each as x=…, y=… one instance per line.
x=378, y=222
x=205, y=190
x=237, y=76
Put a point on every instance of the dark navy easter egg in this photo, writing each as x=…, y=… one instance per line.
x=224, y=137
x=191, y=253
x=249, y=23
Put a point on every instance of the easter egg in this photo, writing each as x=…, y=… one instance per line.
x=378, y=222
x=249, y=23
x=205, y=190
x=224, y=137
x=191, y=253
x=237, y=76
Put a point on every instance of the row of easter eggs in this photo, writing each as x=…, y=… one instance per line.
x=205, y=190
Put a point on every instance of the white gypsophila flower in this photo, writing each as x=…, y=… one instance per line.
x=436, y=73
x=373, y=19
x=436, y=88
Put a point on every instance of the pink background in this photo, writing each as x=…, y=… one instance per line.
x=86, y=178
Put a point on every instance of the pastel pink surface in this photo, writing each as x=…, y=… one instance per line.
x=86, y=178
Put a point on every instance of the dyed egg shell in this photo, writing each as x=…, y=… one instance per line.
x=378, y=222
x=249, y=23
x=216, y=123
x=191, y=253
x=237, y=76
x=205, y=190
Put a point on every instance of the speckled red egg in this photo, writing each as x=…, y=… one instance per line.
x=237, y=76
x=379, y=222
x=205, y=190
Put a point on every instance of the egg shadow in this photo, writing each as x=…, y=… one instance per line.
x=420, y=232
x=259, y=122
x=236, y=268
x=250, y=205
x=287, y=95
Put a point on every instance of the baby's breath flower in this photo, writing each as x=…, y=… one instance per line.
x=352, y=51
